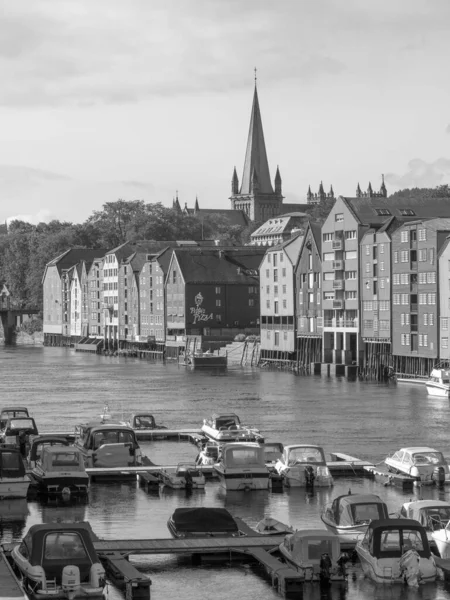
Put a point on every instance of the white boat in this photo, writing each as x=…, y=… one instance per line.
x=242, y=467
x=14, y=482
x=270, y=526
x=396, y=551
x=315, y=554
x=349, y=516
x=303, y=466
x=433, y=515
x=184, y=476
x=208, y=455
x=438, y=383
x=61, y=470
x=228, y=428
x=427, y=465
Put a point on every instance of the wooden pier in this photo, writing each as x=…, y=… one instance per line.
x=382, y=475
x=10, y=586
x=344, y=464
x=286, y=579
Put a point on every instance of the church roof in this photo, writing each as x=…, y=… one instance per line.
x=235, y=217
x=256, y=156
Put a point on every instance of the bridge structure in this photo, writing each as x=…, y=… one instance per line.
x=11, y=316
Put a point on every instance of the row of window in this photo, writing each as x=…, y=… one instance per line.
x=375, y=267
x=348, y=255
x=275, y=289
x=380, y=247
x=110, y=272
x=275, y=273
x=110, y=285
x=276, y=305
x=376, y=305
x=348, y=235
x=423, y=298
x=276, y=336
x=376, y=325
x=406, y=339
x=411, y=234
x=349, y=295
x=152, y=320
x=423, y=255
x=428, y=319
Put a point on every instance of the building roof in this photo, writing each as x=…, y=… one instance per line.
x=235, y=217
x=291, y=247
x=231, y=265
x=289, y=208
x=71, y=257
x=256, y=156
x=279, y=224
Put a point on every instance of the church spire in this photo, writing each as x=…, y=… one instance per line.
x=196, y=207
x=358, y=191
x=278, y=182
x=383, y=190
x=235, y=183
x=256, y=156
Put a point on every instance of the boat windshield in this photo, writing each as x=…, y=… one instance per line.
x=66, y=459
x=305, y=455
x=64, y=545
x=435, y=517
x=391, y=542
x=112, y=437
x=429, y=458
x=21, y=424
x=364, y=513
x=243, y=457
x=318, y=547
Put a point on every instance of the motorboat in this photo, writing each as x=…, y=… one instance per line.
x=144, y=426
x=107, y=445
x=202, y=522
x=438, y=383
x=304, y=466
x=270, y=526
x=58, y=560
x=315, y=554
x=241, y=466
x=348, y=516
x=441, y=537
x=61, y=470
x=208, y=455
x=426, y=465
x=183, y=476
x=396, y=551
x=205, y=360
x=12, y=411
x=273, y=451
x=14, y=482
x=433, y=515
x=228, y=428
x=18, y=433
x=39, y=442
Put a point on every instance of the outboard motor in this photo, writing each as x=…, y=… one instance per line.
x=70, y=580
x=309, y=476
x=341, y=562
x=438, y=475
x=325, y=568
x=188, y=479
x=409, y=567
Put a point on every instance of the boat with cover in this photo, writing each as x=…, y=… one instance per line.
x=396, y=551
x=242, y=467
x=61, y=470
x=433, y=515
x=58, y=560
x=441, y=538
x=315, y=554
x=108, y=444
x=438, y=383
x=12, y=411
x=144, y=426
x=270, y=526
x=424, y=464
x=14, y=482
x=202, y=522
x=39, y=442
x=18, y=433
x=183, y=476
x=348, y=516
x=304, y=465
x=228, y=428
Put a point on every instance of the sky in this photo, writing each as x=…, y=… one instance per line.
x=139, y=99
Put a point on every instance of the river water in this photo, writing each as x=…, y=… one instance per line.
x=62, y=388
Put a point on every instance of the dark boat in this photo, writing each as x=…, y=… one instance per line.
x=38, y=443
x=202, y=522
x=17, y=433
x=61, y=470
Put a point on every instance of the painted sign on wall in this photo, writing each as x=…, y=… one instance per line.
x=198, y=312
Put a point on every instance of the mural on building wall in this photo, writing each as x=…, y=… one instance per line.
x=198, y=312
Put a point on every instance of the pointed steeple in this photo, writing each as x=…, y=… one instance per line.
x=383, y=190
x=176, y=204
x=321, y=191
x=331, y=194
x=254, y=187
x=370, y=190
x=196, y=207
x=278, y=182
x=235, y=183
x=358, y=191
x=309, y=194
x=256, y=156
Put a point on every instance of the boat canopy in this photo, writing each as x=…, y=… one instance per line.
x=272, y=451
x=143, y=421
x=358, y=509
x=11, y=463
x=16, y=425
x=237, y=456
x=94, y=436
x=12, y=411
x=303, y=455
x=226, y=421
x=45, y=440
x=204, y=519
x=434, y=514
x=308, y=545
x=62, y=458
x=388, y=538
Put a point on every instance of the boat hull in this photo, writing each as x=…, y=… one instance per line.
x=350, y=535
x=238, y=480
x=63, y=484
x=234, y=435
x=296, y=478
x=387, y=570
x=310, y=572
x=16, y=487
x=437, y=389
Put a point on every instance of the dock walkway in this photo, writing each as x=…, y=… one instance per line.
x=10, y=587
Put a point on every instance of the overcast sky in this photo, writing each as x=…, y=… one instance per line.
x=108, y=99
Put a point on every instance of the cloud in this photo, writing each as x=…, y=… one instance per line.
x=421, y=174
x=43, y=216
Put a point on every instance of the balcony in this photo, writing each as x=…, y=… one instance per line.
x=340, y=323
x=414, y=328
x=338, y=304
x=338, y=265
x=338, y=284
x=413, y=308
x=108, y=305
x=337, y=245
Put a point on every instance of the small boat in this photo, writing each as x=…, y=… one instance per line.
x=208, y=455
x=242, y=467
x=18, y=433
x=315, y=554
x=144, y=426
x=58, y=560
x=438, y=383
x=14, y=482
x=39, y=442
x=348, y=516
x=184, y=476
x=426, y=465
x=205, y=360
x=202, y=522
x=228, y=428
x=273, y=451
x=396, y=551
x=269, y=526
x=109, y=444
x=12, y=411
x=61, y=470
x=441, y=537
x=304, y=466
x=433, y=515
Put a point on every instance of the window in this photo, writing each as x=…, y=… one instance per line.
x=174, y=277
x=431, y=277
x=396, y=279
x=422, y=235
x=431, y=319
x=328, y=276
x=382, y=284
x=276, y=340
x=283, y=271
x=284, y=303
x=275, y=256
x=422, y=298
x=384, y=325
x=328, y=237
x=381, y=248
x=375, y=287
x=351, y=254
x=267, y=272
x=267, y=289
x=444, y=342
x=350, y=235
x=404, y=256
x=350, y=274
x=384, y=305
x=406, y=339
x=218, y=290
x=328, y=295
x=281, y=257
x=267, y=303
x=251, y=302
x=351, y=295
x=404, y=278
x=339, y=217
x=328, y=256
x=368, y=267
x=425, y=319
x=431, y=298
x=423, y=255
x=431, y=256
x=396, y=256
x=275, y=290
x=422, y=278
x=381, y=266
x=404, y=319
x=218, y=302
x=275, y=275
x=311, y=298
x=275, y=306
x=367, y=305
x=269, y=258
x=310, y=261
x=368, y=324
x=423, y=339
x=444, y=323
x=407, y=212
x=367, y=250
x=284, y=288
x=404, y=236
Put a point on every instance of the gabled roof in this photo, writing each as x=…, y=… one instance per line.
x=233, y=265
x=256, y=156
x=71, y=257
x=280, y=224
x=291, y=247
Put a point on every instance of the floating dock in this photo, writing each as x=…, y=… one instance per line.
x=10, y=586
